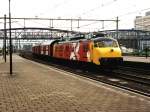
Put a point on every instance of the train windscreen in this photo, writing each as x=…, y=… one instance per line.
x=105, y=43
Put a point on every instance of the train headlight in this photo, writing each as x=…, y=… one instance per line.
x=111, y=50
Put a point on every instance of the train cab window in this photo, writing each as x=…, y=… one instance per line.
x=99, y=44
x=105, y=43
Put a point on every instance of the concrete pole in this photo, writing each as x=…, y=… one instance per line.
x=5, y=36
x=10, y=41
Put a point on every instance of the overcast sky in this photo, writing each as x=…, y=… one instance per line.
x=95, y=9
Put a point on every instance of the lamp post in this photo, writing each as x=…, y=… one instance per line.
x=10, y=41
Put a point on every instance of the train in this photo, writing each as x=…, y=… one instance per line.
x=97, y=50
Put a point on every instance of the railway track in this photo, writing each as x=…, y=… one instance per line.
x=135, y=82
x=124, y=77
x=126, y=80
x=137, y=75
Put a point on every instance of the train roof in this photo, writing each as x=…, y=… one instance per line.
x=90, y=39
x=47, y=42
x=87, y=37
x=103, y=38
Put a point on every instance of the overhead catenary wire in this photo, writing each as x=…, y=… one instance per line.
x=122, y=15
x=61, y=3
x=133, y=12
x=57, y=5
x=98, y=7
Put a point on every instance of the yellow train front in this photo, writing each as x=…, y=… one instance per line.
x=106, y=51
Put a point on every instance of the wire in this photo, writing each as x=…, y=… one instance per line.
x=102, y=5
x=61, y=3
x=19, y=24
x=88, y=24
x=129, y=13
x=40, y=23
x=64, y=2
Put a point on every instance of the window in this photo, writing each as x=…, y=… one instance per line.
x=105, y=43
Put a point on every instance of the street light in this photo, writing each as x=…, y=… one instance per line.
x=10, y=43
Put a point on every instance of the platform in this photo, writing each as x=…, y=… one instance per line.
x=136, y=59
x=36, y=87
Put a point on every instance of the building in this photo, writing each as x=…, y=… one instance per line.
x=143, y=22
